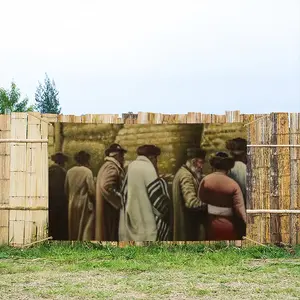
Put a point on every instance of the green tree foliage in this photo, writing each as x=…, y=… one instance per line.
x=46, y=97
x=10, y=100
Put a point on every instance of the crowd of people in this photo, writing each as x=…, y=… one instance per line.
x=134, y=203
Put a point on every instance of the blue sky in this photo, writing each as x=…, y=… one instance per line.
x=159, y=56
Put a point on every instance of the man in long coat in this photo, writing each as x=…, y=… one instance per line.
x=108, y=197
x=238, y=150
x=145, y=213
x=58, y=204
x=188, y=209
x=80, y=189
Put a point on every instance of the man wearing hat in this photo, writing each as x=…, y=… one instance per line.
x=58, y=205
x=188, y=209
x=145, y=214
x=108, y=197
x=80, y=189
x=238, y=150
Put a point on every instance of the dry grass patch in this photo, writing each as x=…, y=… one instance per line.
x=197, y=272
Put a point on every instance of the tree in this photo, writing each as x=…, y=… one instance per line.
x=46, y=97
x=10, y=100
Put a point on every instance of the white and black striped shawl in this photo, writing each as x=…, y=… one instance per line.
x=160, y=200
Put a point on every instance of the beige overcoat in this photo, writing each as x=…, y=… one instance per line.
x=188, y=217
x=80, y=191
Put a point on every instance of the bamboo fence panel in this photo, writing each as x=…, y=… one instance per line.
x=260, y=173
x=272, y=182
x=42, y=183
x=250, y=174
x=284, y=176
x=17, y=191
x=4, y=178
x=260, y=133
x=295, y=177
x=36, y=212
x=257, y=179
x=64, y=118
x=27, y=188
x=261, y=191
x=31, y=178
x=264, y=155
x=275, y=219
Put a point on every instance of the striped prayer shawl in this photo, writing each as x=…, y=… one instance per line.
x=160, y=199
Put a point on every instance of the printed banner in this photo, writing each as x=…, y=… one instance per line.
x=148, y=182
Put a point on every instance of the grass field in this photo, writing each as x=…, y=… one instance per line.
x=87, y=271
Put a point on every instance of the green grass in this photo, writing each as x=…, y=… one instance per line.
x=89, y=271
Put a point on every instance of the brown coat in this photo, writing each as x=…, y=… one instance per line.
x=225, y=204
x=108, y=200
x=80, y=189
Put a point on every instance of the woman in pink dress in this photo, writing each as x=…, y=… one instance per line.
x=224, y=199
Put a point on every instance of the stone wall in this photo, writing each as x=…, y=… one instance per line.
x=92, y=138
x=215, y=136
x=172, y=139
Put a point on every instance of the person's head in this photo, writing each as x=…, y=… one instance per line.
x=59, y=158
x=82, y=158
x=195, y=159
x=117, y=152
x=238, y=149
x=221, y=162
x=151, y=152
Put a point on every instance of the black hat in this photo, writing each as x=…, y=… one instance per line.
x=148, y=150
x=114, y=148
x=195, y=153
x=237, y=146
x=59, y=157
x=82, y=157
x=221, y=161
